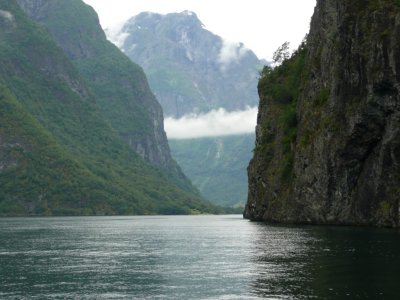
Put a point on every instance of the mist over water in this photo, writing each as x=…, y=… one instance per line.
x=193, y=257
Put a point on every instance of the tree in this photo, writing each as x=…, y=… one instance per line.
x=282, y=53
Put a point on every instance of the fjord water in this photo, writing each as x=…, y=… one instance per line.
x=193, y=257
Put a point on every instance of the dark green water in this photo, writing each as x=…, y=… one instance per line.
x=193, y=257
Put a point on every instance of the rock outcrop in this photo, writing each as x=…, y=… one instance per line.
x=328, y=133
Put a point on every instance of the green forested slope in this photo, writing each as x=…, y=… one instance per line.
x=57, y=153
x=217, y=166
x=120, y=86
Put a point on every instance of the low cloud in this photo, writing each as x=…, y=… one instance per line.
x=231, y=52
x=214, y=123
x=116, y=35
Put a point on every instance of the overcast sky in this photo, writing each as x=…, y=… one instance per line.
x=262, y=25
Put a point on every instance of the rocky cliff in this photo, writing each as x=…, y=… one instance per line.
x=328, y=133
x=190, y=69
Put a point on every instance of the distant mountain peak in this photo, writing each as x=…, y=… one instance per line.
x=189, y=13
x=143, y=16
x=190, y=69
x=150, y=19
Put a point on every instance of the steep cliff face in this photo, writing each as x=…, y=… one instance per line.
x=328, y=133
x=119, y=86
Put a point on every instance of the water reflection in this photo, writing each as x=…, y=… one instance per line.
x=280, y=258
x=203, y=257
x=326, y=262
x=139, y=257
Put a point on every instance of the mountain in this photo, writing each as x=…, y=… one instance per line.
x=328, y=133
x=119, y=86
x=59, y=153
x=189, y=68
x=217, y=166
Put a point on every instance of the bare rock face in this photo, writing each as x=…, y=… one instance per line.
x=345, y=142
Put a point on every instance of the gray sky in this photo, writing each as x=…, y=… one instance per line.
x=262, y=25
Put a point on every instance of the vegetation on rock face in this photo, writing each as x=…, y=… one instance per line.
x=327, y=147
x=58, y=154
x=279, y=89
